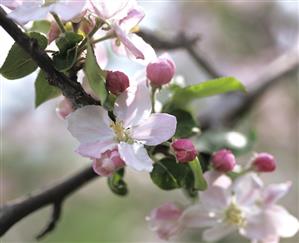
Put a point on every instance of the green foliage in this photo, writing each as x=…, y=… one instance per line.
x=95, y=75
x=199, y=181
x=41, y=26
x=63, y=61
x=44, y=91
x=18, y=63
x=67, y=41
x=117, y=184
x=183, y=96
x=185, y=123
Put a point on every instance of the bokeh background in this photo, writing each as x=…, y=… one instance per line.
x=238, y=37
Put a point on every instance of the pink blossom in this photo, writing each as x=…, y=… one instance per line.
x=184, y=150
x=117, y=82
x=39, y=9
x=109, y=162
x=165, y=220
x=223, y=160
x=161, y=70
x=64, y=108
x=134, y=127
x=263, y=162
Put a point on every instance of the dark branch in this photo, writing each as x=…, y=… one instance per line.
x=70, y=89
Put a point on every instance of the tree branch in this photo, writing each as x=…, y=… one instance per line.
x=70, y=89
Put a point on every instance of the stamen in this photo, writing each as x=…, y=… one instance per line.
x=234, y=215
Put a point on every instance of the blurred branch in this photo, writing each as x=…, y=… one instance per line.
x=55, y=195
x=70, y=89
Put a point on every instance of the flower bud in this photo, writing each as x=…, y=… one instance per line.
x=53, y=32
x=264, y=162
x=165, y=220
x=223, y=160
x=117, y=82
x=109, y=162
x=64, y=108
x=161, y=70
x=184, y=150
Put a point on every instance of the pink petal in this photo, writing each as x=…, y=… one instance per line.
x=95, y=149
x=68, y=9
x=218, y=232
x=101, y=55
x=133, y=105
x=158, y=128
x=135, y=156
x=132, y=19
x=272, y=193
x=90, y=124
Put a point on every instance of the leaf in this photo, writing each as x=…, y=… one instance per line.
x=168, y=175
x=68, y=40
x=63, y=61
x=183, y=96
x=117, y=184
x=44, y=91
x=41, y=26
x=95, y=75
x=199, y=181
x=186, y=124
x=18, y=62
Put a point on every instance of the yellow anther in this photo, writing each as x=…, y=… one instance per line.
x=135, y=29
x=234, y=215
x=120, y=132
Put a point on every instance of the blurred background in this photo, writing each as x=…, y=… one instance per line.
x=239, y=38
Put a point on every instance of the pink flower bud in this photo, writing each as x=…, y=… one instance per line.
x=64, y=108
x=184, y=150
x=109, y=162
x=53, y=32
x=223, y=160
x=117, y=82
x=165, y=220
x=161, y=70
x=264, y=162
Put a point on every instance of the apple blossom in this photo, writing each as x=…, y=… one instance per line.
x=161, y=70
x=223, y=160
x=117, y=82
x=64, y=108
x=184, y=150
x=39, y=9
x=133, y=128
x=263, y=162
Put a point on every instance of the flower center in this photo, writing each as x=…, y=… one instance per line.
x=234, y=215
x=121, y=133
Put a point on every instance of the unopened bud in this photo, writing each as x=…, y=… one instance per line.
x=223, y=160
x=109, y=162
x=184, y=150
x=117, y=82
x=161, y=70
x=264, y=162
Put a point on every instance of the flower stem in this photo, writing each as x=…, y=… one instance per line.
x=153, y=98
x=59, y=22
x=106, y=37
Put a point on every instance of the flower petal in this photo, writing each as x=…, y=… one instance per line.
x=133, y=105
x=132, y=19
x=158, y=128
x=272, y=193
x=90, y=124
x=67, y=9
x=218, y=232
x=95, y=149
x=135, y=156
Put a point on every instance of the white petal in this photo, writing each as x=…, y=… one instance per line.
x=135, y=156
x=133, y=105
x=90, y=124
x=68, y=9
x=196, y=216
x=101, y=55
x=158, y=128
x=95, y=149
x=218, y=232
x=272, y=193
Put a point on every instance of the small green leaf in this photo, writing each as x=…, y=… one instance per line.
x=199, y=181
x=63, y=61
x=41, y=26
x=117, y=184
x=95, y=75
x=183, y=96
x=44, y=91
x=68, y=40
x=18, y=63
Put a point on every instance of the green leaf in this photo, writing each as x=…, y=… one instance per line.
x=95, y=75
x=186, y=125
x=44, y=91
x=199, y=181
x=183, y=96
x=68, y=40
x=18, y=63
x=41, y=26
x=117, y=184
x=168, y=174
x=63, y=61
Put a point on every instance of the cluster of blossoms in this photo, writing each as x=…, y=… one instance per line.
x=124, y=133
x=243, y=204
